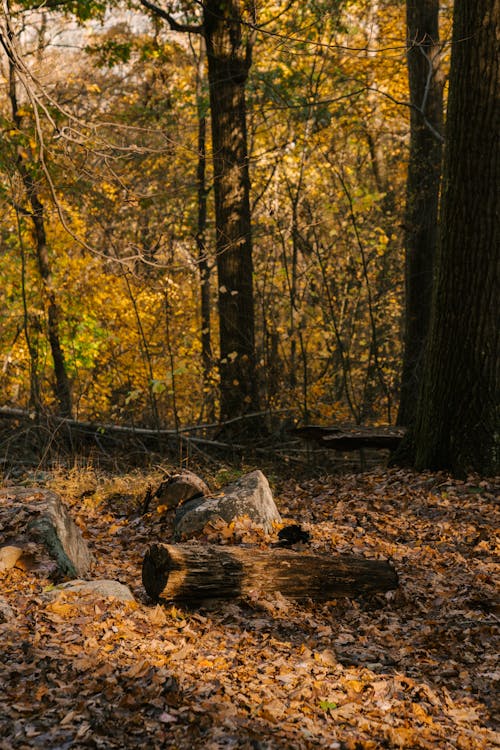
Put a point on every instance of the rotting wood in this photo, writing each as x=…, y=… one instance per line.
x=194, y=572
x=346, y=438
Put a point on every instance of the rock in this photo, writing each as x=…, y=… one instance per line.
x=106, y=588
x=9, y=556
x=249, y=496
x=6, y=611
x=34, y=518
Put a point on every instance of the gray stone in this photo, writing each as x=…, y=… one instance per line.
x=6, y=611
x=249, y=496
x=103, y=587
x=30, y=515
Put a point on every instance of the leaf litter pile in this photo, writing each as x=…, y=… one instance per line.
x=414, y=668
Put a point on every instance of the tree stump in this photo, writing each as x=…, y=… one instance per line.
x=193, y=572
x=37, y=531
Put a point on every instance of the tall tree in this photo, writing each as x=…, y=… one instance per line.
x=201, y=241
x=30, y=171
x=229, y=42
x=456, y=423
x=229, y=48
x=422, y=195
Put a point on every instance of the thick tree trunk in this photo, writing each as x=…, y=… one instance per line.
x=228, y=64
x=193, y=572
x=457, y=412
x=422, y=193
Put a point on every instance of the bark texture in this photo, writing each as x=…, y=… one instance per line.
x=422, y=192
x=457, y=413
x=193, y=572
x=35, y=517
x=201, y=241
x=229, y=59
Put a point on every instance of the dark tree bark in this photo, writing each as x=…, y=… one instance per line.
x=457, y=411
x=422, y=194
x=193, y=572
x=62, y=387
x=229, y=60
x=229, y=46
x=203, y=258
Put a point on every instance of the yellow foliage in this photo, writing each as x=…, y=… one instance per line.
x=324, y=96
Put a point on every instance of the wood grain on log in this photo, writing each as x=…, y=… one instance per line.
x=193, y=572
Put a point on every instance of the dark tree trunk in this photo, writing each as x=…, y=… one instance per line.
x=203, y=259
x=62, y=386
x=193, y=572
x=422, y=196
x=228, y=57
x=457, y=412
x=228, y=47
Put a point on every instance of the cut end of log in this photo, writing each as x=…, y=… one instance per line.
x=156, y=568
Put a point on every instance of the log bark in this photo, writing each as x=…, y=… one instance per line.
x=352, y=438
x=36, y=517
x=194, y=572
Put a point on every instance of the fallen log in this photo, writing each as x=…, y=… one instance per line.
x=349, y=438
x=193, y=572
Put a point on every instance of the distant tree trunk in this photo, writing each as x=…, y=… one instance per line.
x=422, y=192
x=457, y=421
x=375, y=125
x=229, y=46
x=229, y=61
x=203, y=259
x=36, y=214
x=62, y=387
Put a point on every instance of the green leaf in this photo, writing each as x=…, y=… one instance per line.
x=327, y=705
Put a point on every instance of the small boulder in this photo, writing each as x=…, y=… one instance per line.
x=249, y=496
x=10, y=555
x=104, y=588
x=6, y=611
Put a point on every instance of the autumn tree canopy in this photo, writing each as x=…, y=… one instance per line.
x=223, y=193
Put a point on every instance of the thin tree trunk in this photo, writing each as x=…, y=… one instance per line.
x=422, y=193
x=62, y=387
x=457, y=412
x=35, y=398
x=375, y=125
x=203, y=260
x=228, y=64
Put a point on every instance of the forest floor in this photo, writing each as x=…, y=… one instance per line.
x=415, y=668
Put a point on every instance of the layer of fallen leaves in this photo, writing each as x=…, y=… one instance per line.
x=416, y=668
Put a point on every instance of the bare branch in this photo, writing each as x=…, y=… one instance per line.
x=174, y=25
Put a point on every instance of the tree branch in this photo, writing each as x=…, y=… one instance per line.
x=174, y=25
